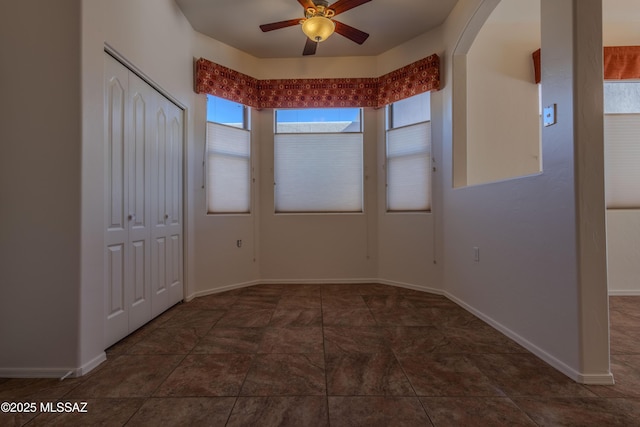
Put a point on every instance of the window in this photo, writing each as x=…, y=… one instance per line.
x=622, y=144
x=408, y=162
x=318, y=160
x=228, y=157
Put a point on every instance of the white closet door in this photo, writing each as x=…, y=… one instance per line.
x=143, y=187
x=166, y=211
x=117, y=227
x=173, y=206
x=141, y=97
x=158, y=194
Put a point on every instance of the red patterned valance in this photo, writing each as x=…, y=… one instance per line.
x=226, y=83
x=620, y=62
x=421, y=76
x=318, y=93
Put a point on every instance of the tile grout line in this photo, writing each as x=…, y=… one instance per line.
x=324, y=351
x=395, y=356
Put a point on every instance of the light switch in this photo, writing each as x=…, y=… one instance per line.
x=549, y=115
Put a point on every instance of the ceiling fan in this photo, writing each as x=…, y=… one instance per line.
x=318, y=22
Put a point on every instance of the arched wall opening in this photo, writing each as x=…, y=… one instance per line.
x=495, y=97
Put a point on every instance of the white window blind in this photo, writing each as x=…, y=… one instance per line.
x=622, y=160
x=408, y=111
x=318, y=172
x=409, y=168
x=228, y=169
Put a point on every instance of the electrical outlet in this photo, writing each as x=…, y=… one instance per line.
x=239, y=243
x=476, y=254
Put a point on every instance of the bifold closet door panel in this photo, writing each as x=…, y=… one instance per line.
x=116, y=90
x=128, y=102
x=166, y=211
x=159, y=185
x=142, y=98
x=174, y=199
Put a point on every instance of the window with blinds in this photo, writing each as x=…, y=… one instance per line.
x=622, y=144
x=318, y=161
x=228, y=158
x=408, y=155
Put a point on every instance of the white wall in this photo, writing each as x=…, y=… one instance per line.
x=299, y=248
x=311, y=247
x=620, y=20
x=219, y=263
x=40, y=156
x=408, y=248
x=511, y=148
x=53, y=169
x=529, y=275
x=275, y=247
x=316, y=67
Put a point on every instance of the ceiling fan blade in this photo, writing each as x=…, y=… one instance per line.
x=351, y=33
x=281, y=24
x=310, y=47
x=307, y=4
x=344, y=5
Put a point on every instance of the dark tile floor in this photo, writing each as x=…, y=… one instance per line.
x=338, y=355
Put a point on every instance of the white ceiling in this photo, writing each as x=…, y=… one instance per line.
x=236, y=23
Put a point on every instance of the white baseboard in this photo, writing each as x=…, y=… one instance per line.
x=224, y=288
x=36, y=372
x=593, y=379
x=233, y=286
x=411, y=286
x=624, y=293
x=596, y=379
x=92, y=364
x=60, y=373
x=352, y=281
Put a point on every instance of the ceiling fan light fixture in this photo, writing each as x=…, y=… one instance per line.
x=318, y=28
